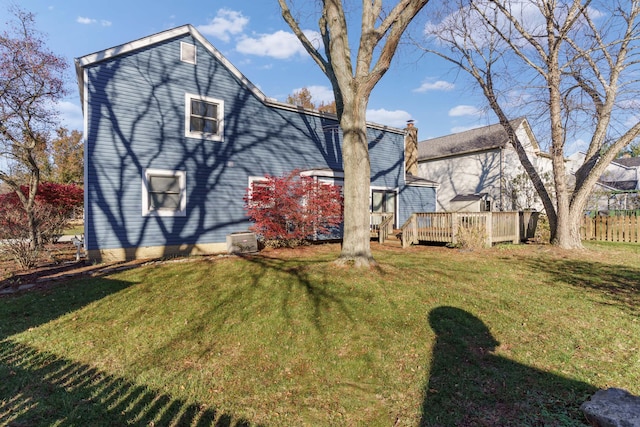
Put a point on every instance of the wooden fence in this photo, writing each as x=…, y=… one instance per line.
x=446, y=227
x=611, y=228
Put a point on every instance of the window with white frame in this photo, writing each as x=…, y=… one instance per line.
x=164, y=192
x=384, y=201
x=203, y=117
x=256, y=182
x=188, y=53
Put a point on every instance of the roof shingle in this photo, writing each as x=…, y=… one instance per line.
x=479, y=139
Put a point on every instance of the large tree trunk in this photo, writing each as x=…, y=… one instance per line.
x=356, y=246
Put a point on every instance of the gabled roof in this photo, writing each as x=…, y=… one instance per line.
x=470, y=197
x=630, y=162
x=104, y=55
x=621, y=185
x=417, y=181
x=474, y=140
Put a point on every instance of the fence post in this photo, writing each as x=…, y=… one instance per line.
x=488, y=221
x=454, y=228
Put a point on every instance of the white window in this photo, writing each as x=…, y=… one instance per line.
x=258, y=182
x=203, y=117
x=187, y=53
x=164, y=193
x=384, y=201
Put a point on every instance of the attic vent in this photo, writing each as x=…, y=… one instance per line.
x=188, y=53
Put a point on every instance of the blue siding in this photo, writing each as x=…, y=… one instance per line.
x=135, y=118
x=415, y=199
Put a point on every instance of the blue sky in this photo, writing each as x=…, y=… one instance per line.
x=254, y=37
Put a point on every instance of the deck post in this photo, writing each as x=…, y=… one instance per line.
x=454, y=228
x=488, y=218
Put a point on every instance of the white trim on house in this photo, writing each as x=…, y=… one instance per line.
x=85, y=155
x=182, y=182
x=103, y=55
x=326, y=173
x=396, y=204
x=219, y=136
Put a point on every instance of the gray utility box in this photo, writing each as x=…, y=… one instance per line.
x=242, y=242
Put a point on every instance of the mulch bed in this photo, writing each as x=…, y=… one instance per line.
x=57, y=264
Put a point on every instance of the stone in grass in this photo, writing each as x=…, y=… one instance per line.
x=613, y=407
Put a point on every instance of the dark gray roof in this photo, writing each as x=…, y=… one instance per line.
x=628, y=161
x=469, y=197
x=621, y=185
x=480, y=139
x=416, y=180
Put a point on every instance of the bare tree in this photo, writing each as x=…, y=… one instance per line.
x=31, y=81
x=574, y=61
x=352, y=79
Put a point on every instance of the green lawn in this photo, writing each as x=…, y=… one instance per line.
x=512, y=336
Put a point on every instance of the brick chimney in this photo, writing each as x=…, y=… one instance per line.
x=411, y=149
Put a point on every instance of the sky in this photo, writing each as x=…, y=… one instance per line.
x=254, y=37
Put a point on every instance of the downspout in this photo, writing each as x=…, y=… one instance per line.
x=501, y=179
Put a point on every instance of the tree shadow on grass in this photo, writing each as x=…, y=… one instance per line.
x=324, y=299
x=471, y=386
x=40, y=388
x=619, y=285
x=28, y=310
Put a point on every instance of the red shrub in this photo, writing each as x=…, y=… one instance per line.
x=55, y=204
x=293, y=208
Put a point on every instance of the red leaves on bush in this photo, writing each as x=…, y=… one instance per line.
x=293, y=208
x=54, y=204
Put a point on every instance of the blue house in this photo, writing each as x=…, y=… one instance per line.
x=174, y=134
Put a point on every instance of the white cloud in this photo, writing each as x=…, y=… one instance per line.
x=279, y=45
x=225, y=24
x=630, y=104
x=89, y=21
x=397, y=118
x=575, y=146
x=448, y=29
x=631, y=120
x=70, y=115
x=85, y=20
x=437, y=85
x=464, y=110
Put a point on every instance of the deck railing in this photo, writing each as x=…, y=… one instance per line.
x=446, y=227
x=381, y=225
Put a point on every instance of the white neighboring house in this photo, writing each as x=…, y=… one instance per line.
x=481, y=165
x=617, y=189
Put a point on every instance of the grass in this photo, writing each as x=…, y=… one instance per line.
x=512, y=336
x=75, y=228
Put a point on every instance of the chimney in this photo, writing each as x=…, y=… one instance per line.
x=411, y=149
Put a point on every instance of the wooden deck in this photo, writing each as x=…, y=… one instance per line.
x=446, y=227
x=381, y=225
